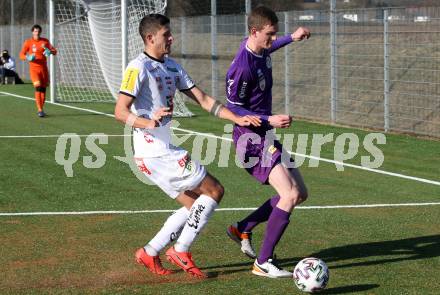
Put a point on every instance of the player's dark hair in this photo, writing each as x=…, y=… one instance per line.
x=152, y=23
x=260, y=17
x=37, y=27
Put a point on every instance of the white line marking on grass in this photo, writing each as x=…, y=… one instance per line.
x=228, y=139
x=220, y=209
x=337, y=162
x=80, y=135
x=60, y=135
x=61, y=105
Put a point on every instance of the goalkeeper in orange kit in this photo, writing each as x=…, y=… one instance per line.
x=36, y=50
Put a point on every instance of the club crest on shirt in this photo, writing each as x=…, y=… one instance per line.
x=261, y=80
x=268, y=62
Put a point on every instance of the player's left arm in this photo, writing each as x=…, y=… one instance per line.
x=216, y=108
x=300, y=34
x=51, y=49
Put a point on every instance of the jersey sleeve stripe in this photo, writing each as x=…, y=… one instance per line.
x=233, y=102
x=186, y=89
x=128, y=94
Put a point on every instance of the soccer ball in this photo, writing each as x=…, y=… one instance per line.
x=311, y=275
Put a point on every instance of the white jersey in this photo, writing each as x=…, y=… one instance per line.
x=153, y=84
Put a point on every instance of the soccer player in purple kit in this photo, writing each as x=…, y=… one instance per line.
x=249, y=92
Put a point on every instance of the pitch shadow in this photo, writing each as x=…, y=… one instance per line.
x=405, y=249
x=349, y=289
x=424, y=247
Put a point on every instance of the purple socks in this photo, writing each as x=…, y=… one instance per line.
x=278, y=221
x=258, y=216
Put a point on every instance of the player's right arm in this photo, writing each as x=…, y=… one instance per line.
x=24, y=50
x=124, y=115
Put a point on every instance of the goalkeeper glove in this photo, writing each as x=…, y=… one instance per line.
x=47, y=51
x=30, y=57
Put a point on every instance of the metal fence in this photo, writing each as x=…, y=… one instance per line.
x=12, y=39
x=372, y=68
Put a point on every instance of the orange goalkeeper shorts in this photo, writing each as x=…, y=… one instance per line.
x=39, y=76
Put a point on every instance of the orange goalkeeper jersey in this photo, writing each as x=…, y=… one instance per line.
x=37, y=47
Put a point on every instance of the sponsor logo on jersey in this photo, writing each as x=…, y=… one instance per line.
x=243, y=90
x=172, y=69
x=261, y=80
x=34, y=48
x=268, y=62
x=185, y=163
x=141, y=165
x=129, y=80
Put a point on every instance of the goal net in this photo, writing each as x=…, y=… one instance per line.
x=88, y=38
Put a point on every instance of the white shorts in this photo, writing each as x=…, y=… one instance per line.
x=174, y=172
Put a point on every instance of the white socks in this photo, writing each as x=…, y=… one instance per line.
x=199, y=215
x=169, y=232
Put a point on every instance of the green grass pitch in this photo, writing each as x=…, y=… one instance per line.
x=380, y=250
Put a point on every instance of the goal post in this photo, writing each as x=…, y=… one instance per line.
x=95, y=39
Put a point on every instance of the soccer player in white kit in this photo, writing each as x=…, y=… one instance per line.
x=145, y=102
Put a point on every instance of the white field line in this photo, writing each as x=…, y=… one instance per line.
x=228, y=139
x=220, y=209
x=80, y=135
x=337, y=162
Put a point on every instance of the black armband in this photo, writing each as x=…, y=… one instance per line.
x=216, y=107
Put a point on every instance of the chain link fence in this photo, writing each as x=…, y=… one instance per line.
x=12, y=39
x=376, y=68
x=373, y=68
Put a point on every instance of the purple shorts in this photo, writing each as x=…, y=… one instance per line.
x=259, y=154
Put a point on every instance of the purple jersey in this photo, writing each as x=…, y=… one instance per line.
x=249, y=82
x=249, y=92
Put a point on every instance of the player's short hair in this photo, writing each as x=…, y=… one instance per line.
x=36, y=27
x=152, y=23
x=260, y=17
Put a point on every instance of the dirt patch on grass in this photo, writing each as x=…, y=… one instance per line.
x=92, y=253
